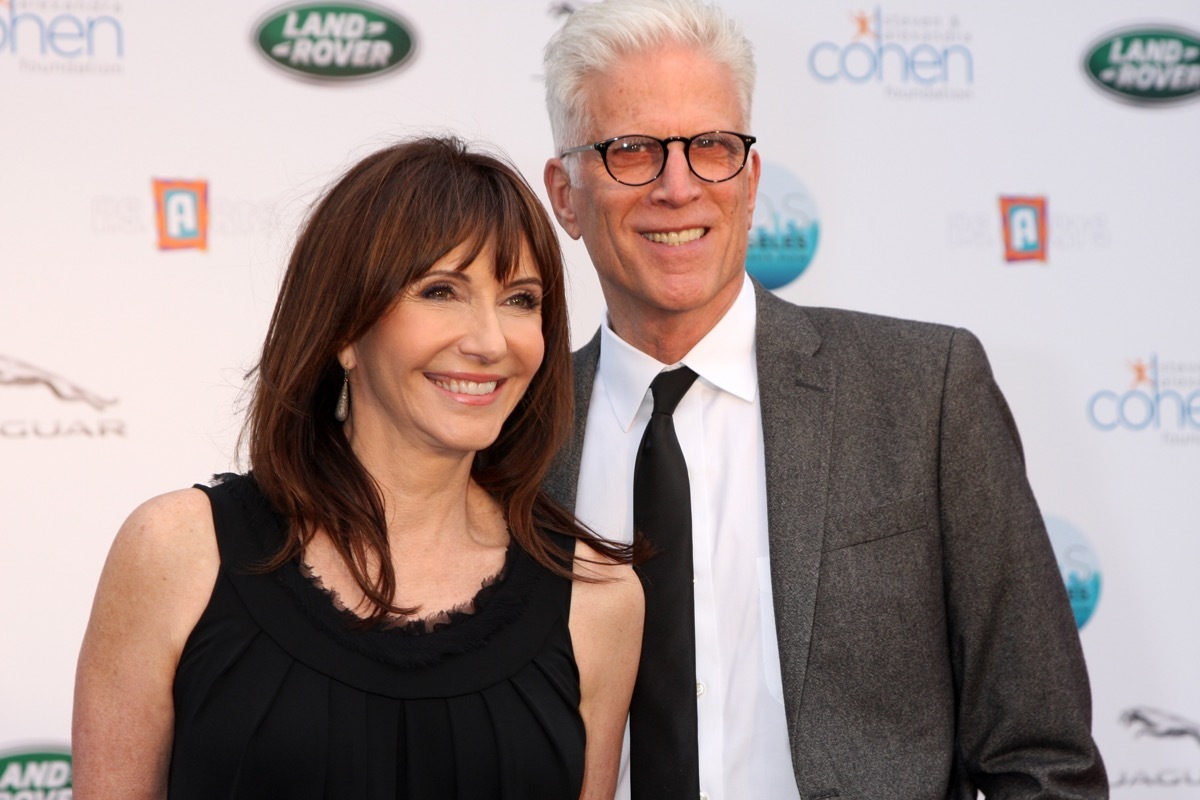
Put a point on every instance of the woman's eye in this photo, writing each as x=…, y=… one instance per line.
x=527, y=300
x=438, y=291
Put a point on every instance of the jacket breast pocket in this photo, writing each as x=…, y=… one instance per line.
x=881, y=522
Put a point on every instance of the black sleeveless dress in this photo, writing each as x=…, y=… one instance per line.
x=276, y=695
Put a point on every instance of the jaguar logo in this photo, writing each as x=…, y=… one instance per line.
x=1147, y=721
x=18, y=373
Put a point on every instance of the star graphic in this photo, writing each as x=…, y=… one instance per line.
x=862, y=23
x=1141, y=373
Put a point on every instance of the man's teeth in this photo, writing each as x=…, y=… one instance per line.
x=468, y=387
x=675, y=237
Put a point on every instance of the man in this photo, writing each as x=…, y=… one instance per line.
x=877, y=612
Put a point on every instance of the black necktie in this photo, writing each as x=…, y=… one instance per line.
x=664, y=762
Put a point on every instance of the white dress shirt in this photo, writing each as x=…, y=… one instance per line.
x=743, y=743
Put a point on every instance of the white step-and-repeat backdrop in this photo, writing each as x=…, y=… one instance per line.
x=1029, y=170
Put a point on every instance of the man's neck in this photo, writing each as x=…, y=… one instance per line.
x=666, y=336
x=666, y=344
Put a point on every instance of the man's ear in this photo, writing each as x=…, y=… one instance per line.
x=558, y=189
x=755, y=168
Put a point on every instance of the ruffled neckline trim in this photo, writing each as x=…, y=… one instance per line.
x=428, y=623
x=496, y=606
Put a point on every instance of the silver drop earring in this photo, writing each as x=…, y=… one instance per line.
x=342, y=411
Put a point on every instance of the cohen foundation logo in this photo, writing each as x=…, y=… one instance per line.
x=36, y=773
x=909, y=56
x=1166, y=746
x=40, y=404
x=1158, y=397
x=785, y=229
x=63, y=37
x=1147, y=66
x=334, y=41
x=1078, y=565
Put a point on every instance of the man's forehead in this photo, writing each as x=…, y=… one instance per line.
x=679, y=91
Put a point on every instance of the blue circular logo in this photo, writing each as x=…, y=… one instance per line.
x=784, y=233
x=1079, y=567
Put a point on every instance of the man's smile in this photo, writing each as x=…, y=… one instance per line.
x=675, y=237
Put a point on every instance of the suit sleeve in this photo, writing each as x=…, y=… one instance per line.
x=1024, y=703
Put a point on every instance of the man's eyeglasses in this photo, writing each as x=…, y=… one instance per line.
x=638, y=159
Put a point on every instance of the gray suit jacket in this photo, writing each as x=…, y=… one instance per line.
x=925, y=638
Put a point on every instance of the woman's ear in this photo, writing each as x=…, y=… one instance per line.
x=347, y=357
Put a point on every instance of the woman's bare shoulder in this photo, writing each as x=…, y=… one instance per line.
x=165, y=555
x=170, y=528
x=613, y=588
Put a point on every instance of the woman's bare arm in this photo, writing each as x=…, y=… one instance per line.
x=606, y=633
x=156, y=582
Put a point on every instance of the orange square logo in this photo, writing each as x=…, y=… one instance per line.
x=1024, y=221
x=181, y=208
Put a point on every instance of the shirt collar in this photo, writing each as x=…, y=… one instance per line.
x=724, y=358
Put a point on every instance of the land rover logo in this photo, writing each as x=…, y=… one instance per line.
x=43, y=773
x=341, y=41
x=1148, y=66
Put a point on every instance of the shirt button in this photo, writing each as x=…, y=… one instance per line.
x=704, y=796
x=699, y=689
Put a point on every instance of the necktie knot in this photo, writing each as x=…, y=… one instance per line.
x=669, y=387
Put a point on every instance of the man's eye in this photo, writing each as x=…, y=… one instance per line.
x=714, y=143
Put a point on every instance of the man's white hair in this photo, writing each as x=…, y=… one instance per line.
x=597, y=36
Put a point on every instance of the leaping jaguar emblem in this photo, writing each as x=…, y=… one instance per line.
x=18, y=373
x=1147, y=721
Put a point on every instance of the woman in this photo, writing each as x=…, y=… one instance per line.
x=386, y=605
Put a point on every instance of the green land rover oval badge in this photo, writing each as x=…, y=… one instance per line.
x=39, y=772
x=1149, y=66
x=334, y=42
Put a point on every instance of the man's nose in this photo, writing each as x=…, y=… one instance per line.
x=677, y=183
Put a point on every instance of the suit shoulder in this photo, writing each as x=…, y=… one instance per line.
x=867, y=326
x=886, y=336
x=879, y=344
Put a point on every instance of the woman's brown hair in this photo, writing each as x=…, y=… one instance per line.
x=388, y=220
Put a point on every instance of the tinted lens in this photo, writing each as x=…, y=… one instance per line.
x=634, y=159
x=716, y=156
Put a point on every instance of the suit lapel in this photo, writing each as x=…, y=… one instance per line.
x=796, y=392
x=563, y=477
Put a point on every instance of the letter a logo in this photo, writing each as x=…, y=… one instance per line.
x=1024, y=220
x=182, y=211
